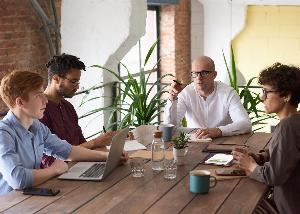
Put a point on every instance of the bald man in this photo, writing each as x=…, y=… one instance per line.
x=211, y=106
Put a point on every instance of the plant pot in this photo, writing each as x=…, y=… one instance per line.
x=179, y=155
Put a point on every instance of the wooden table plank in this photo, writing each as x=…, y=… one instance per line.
x=121, y=193
x=140, y=197
x=248, y=192
x=237, y=139
x=258, y=141
x=35, y=203
x=11, y=199
x=86, y=192
x=177, y=199
x=244, y=198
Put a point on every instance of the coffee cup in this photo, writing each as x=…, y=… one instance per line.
x=201, y=181
x=167, y=130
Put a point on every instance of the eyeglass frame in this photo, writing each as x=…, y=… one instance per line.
x=202, y=73
x=265, y=93
x=74, y=82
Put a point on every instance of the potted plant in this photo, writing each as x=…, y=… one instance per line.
x=180, y=147
x=137, y=102
x=249, y=99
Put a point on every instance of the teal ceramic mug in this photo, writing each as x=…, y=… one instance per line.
x=201, y=181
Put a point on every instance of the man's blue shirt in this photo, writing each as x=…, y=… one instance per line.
x=21, y=150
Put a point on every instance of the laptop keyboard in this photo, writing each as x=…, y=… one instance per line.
x=94, y=171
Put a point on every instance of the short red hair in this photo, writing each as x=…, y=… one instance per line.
x=19, y=84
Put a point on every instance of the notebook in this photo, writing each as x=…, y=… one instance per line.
x=193, y=139
x=97, y=171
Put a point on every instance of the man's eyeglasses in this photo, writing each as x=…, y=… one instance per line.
x=74, y=82
x=202, y=73
x=265, y=93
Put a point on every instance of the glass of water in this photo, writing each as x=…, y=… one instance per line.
x=170, y=169
x=137, y=167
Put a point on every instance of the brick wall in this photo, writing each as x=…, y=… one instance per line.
x=175, y=40
x=22, y=43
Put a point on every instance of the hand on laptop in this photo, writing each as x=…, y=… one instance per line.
x=124, y=158
x=208, y=132
x=59, y=166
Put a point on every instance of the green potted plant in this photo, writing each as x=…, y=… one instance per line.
x=137, y=102
x=180, y=147
x=249, y=99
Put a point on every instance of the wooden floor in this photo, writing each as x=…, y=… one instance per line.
x=121, y=193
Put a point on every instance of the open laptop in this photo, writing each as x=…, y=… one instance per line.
x=96, y=171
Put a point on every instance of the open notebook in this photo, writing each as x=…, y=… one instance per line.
x=193, y=139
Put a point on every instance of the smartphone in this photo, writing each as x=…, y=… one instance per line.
x=230, y=172
x=40, y=191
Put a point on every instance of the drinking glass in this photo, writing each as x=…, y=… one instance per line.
x=137, y=167
x=170, y=169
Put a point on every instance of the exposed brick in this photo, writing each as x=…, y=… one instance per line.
x=22, y=42
x=175, y=41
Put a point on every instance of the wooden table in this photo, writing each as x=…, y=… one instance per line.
x=121, y=193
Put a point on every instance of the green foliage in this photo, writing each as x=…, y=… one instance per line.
x=249, y=99
x=135, y=104
x=180, y=141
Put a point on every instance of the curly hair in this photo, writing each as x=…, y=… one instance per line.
x=19, y=84
x=61, y=65
x=284, y=79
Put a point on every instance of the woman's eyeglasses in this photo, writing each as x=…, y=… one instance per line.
x=202, y=73
x=265, y=93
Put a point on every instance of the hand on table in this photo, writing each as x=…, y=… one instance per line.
x=124, y=158
x=208, y=132
x=244, y=161
x=59, y=166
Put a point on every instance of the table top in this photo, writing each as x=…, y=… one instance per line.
x=121, y=193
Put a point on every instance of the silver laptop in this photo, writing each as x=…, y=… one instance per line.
x=96, y=171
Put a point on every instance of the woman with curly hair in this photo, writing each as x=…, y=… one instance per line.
x=279, y=166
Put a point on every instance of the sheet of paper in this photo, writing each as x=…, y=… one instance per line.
x=219, y=159
x=132, y=145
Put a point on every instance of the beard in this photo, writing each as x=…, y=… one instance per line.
x=63, y=92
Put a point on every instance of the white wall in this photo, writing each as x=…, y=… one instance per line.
x=222, y=21
x=100, y=32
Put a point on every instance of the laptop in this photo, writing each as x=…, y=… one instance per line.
x=96, y=171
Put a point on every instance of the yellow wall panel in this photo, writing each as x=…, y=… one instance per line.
x=271, y=34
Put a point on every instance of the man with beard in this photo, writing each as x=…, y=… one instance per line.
x=211, y=107
x=64, y=73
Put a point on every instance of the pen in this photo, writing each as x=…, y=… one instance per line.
x=104, y=130
x=176, y=81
